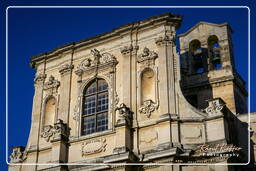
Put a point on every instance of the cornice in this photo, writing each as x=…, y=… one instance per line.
x=166, y=18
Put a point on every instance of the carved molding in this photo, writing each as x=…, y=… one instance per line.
x=148, y=107
x=99, y=60
x=147, y=55
x=51, y=83
x=39, y=78
x=165, y=40
x=215, y=107
x=93, y=146
x=66, y=68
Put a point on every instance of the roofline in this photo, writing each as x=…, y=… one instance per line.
x=167, y=17
x=203, y=22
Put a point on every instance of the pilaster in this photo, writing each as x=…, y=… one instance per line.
x=65, y=88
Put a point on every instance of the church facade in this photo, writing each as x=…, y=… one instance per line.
x=127, y=100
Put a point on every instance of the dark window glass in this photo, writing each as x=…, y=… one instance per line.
x=95, y=107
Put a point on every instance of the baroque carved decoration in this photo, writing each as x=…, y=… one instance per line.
x=39, y=78
x=50, y=131
x=165, y=40
x=215, y=107
x=18, y=155
x=98, y=60
x=47, y=132
x=148, y=107
x=147, y=55
x=66, y=68
x=93, y=146
x=51, y=83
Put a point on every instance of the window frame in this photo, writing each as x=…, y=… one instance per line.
x=96, y=113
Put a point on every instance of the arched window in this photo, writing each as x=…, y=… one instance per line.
x=95, y=107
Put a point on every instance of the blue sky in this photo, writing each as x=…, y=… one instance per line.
x=34, y=31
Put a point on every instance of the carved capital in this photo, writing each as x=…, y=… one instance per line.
x=60, y=129
x=148, y=107
x=66, y=68
x=51, y=83
x=165, y=40
x=124, y=113
x=147, y=55
x=127, y=50
x=215, y=107
x=40, y=78
x=18, y=154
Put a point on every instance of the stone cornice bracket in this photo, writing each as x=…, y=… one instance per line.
x=18, y=154
x=98, y=61
x=147, y=55
x=66, y=68
x=51, y=83
x=215, y=107
x=127, y=50
x=125, y=114
x=148, y=107
x=165, y=40
x=40, y=78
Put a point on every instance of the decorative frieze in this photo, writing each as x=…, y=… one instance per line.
x=99, y=60
x=39, y=78
x=51, y=83
x=66, y=68
x=148, y=107
x=93, y=146
x=215, y=107
x=165, y=40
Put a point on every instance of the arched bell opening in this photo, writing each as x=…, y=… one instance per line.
x=214, y=52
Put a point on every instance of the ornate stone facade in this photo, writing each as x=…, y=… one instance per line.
x=109, y=102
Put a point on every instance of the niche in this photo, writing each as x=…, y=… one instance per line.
x=147, y=85
x=50, y=111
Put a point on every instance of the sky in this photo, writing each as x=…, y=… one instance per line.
x=32, y=31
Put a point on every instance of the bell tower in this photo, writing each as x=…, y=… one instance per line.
x=208, y=69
